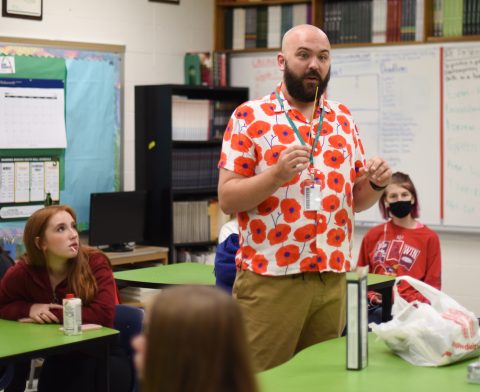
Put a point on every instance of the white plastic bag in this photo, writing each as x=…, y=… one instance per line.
x=434, y=334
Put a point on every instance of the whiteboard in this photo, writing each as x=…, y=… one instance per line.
x=462, y=135
x=417, y=106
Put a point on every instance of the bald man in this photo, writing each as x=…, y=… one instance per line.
x=293, y=170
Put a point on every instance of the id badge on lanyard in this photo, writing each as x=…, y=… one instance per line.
x=313, y=193
x=312, y=198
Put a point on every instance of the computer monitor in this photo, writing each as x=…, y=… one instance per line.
x=117, y=219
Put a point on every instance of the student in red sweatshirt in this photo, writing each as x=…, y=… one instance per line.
x=402, y=245
x=54, y=265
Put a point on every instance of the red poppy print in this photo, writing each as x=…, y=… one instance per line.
x=358, y=165
x=259, y=264
x=337, y=141
x=331, y=203
x=248, y=252
x=304, y=131
x=284, y=133
x=347, y=265
x=272, y=155
x=349, y=150
x=321, y=224
x=244, y=166
x=268, y=108
x=330, y=115
x=310, y=214
x=241, y=142
x=321, y=259
x=258, y=153
x=228, y=130
x=333, y=159
x=296, y=115
x=319, y=177
x=335, y=237
x=344, y=109
x=243, y=219
x=290, y=209
x=341, y=217
x=353, y=175
x=360, y=145
x=344, y=123
x=267, y=206
x=308, y=264
x=258, y=230
x=223, y=160
x=245, y=112
x=326, y=130
x=294, y=180
x=336, y=260
x=278, y=234
x=287, y=255
x=258, y=129
x=335, y=181
x=304, y=233
x=348, y=194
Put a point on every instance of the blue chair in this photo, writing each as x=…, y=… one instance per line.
x=6, y=375
x=129, y=321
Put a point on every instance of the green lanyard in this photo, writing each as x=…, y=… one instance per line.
x=295, y=129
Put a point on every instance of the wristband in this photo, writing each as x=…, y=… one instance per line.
x=377, y=188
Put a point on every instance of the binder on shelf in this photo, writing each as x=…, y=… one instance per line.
x=357, y=319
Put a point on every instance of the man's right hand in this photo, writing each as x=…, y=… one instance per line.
x=292, y=161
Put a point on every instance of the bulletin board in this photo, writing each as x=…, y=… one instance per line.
x=92, y=77
x=415, y=105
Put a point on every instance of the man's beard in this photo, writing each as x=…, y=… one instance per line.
x=297, y=89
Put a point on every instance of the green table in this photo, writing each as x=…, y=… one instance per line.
x=203, y=274
x=21, y=341
x=167, y=275
x=322, y=367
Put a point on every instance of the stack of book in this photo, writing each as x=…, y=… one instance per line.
x=456, y=18
x=190, y=118
x=263, y=26
x=206, y=69
x=199, y=119
x=376, y=21
x=197, y=221
x=195, y=168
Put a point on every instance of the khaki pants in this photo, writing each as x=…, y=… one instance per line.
x=284, y=314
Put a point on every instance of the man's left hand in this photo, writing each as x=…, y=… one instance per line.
x=377, y=171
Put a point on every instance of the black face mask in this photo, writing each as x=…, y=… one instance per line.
x=400, y=209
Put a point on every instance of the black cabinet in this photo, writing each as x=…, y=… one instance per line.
x=158, y=156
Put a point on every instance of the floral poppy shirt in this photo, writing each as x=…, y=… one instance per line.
x=279, y=237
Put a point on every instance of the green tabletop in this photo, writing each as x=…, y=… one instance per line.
x=322, y=367
x=172, y=274
x=375, y=280
x=17, y=339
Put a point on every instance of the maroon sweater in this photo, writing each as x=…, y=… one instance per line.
x=24, y=285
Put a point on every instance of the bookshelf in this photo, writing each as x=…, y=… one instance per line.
x=346, y=22
x=179, y=174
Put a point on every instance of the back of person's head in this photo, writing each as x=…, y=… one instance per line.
x=403, y=180
x=195, y=341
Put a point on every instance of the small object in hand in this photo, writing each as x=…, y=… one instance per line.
x=474, y=373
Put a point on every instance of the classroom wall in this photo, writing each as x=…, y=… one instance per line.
x=156, y=36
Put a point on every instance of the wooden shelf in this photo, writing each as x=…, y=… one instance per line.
x=154, y=167
x=318, y=12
